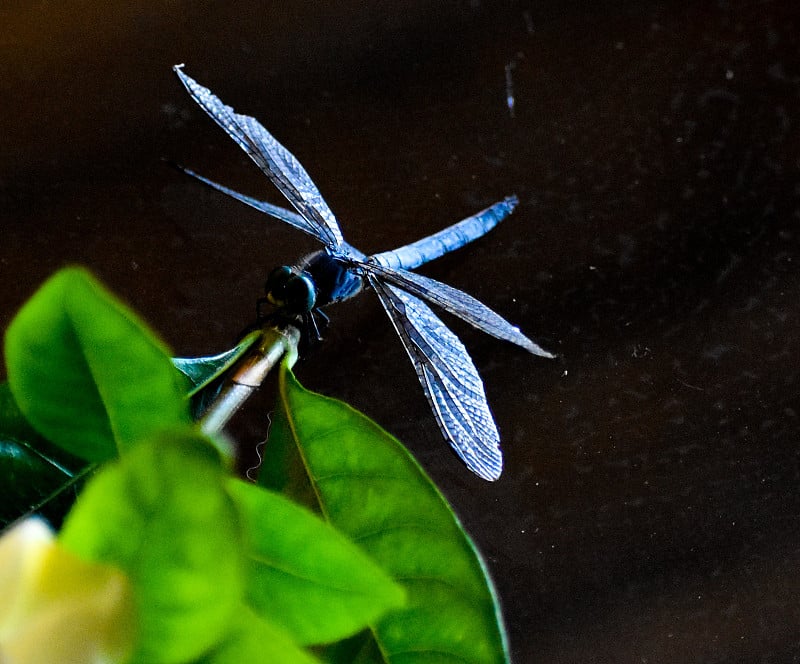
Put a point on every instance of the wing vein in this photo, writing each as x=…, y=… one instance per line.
x=277, y=163
x=448, y=378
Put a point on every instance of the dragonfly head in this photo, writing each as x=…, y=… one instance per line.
x=291, y=290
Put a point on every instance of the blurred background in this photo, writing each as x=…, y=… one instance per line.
x=649, y=510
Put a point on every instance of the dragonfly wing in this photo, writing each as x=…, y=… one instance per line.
x=287, y=216
x=458, y=303
x=277, y=163
x=449, y=379
x=448, y=239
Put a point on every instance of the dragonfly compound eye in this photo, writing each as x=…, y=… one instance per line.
x=291, y=291
x=300, y=293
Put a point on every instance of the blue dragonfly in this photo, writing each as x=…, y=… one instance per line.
x=338, y=271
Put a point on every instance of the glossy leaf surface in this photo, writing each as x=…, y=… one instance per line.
x=340, y=463
x=36, y=475
x=161, y=514
x=204, y=370
x=86, y=373
x=304, y=576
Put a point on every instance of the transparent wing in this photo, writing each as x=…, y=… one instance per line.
x=449, y=379
x=287, y=216
x=273, y=159
x=456, y=302
x=448, y=239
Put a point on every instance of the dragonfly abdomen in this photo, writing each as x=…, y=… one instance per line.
x=448, y=239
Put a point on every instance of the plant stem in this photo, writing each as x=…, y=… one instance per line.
x=246, y=376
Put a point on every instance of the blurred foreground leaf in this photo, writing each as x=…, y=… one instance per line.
x=254, y=640
x=162, y=515
x=86, y=373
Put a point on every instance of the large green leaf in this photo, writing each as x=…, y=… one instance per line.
x=86, y=373
x=367, y=485
x=163, y=515
x=36, y=475
x=255, y=640
x=304, y=575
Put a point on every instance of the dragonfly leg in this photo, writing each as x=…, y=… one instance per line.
x=324, y=320
x=260, y=304
x=311, y=327
x=312, y=330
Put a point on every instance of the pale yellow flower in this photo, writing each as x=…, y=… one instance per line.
x=56, y=608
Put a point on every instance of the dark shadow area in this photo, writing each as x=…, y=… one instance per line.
x=648, y=510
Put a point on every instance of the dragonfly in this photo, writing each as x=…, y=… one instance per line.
x=339, y=271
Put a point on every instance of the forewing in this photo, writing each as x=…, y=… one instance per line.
x=287, y=216
x=449, y=380
x=272, y=158
x=458, y=303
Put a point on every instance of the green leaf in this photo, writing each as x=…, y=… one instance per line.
x=255, y=640
x=204, y=370
x=163, y=515
x=36, y=475
x=86, y=373
x=205, y=374
x=304, y=575
x=368, y=486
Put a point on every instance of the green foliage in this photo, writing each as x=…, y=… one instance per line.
x=253, y=640
x=368, y=486
x=202, y=371
x=206, y=374
x=36, y=475
x=84, y=373
x=162, y=515
x=224, y=571
x=306, y=576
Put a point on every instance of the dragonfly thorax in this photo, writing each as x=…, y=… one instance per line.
x=334, y=280
x=316, y=281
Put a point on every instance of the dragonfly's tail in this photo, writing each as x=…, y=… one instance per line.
x=448, y=239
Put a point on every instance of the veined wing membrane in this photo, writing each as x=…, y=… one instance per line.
x=449, y=380
x=272, y=158
x=287, y=216
x=458, y=303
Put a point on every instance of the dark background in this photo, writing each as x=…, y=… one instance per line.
x=649, y=510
